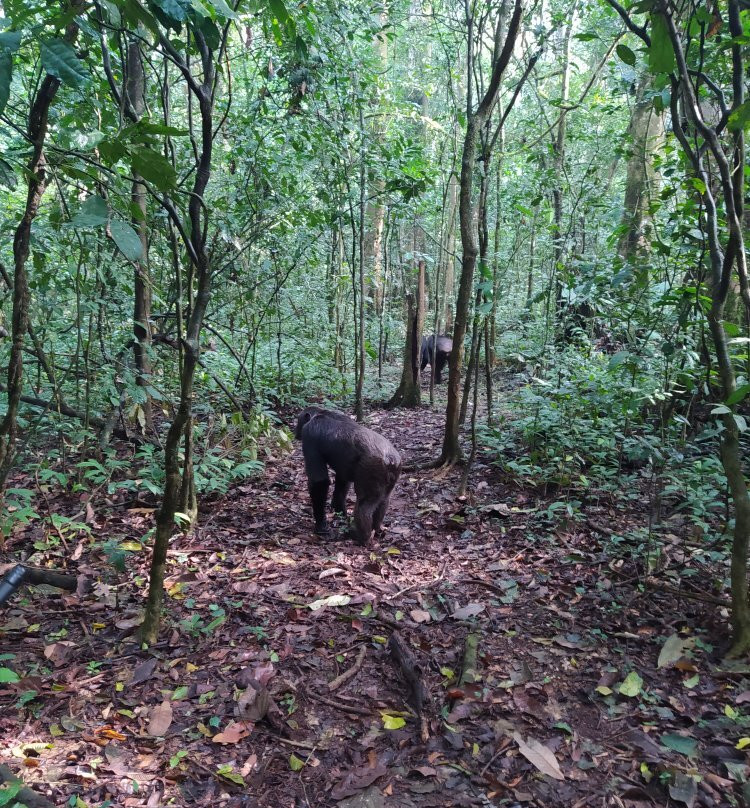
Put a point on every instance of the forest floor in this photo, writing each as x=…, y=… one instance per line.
x=589, y=689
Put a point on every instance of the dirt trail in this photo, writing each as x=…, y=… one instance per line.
x=532, y=730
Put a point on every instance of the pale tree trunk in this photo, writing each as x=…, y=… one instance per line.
x=646, y=133
x=450, y=252
x=135, y=90
x=376, y=204
x=558, y=146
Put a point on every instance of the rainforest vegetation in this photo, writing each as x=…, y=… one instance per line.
x=217, y=213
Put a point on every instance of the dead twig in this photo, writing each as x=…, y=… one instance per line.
x=432, y=583
x=346, y=708
x=336, y=683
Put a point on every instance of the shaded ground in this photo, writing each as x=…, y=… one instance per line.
x=234, y=706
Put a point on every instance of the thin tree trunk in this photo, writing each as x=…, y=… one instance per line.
x=37, y=181
x=135, y=90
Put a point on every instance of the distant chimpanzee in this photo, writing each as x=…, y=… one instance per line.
x=444, y=348
x=357, y=455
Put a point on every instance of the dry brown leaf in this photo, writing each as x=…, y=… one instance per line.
x=160, y=719
x=234, y=732
x=538, y=754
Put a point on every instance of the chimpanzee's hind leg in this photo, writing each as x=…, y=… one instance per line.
x=317, y=485
x=340, y=492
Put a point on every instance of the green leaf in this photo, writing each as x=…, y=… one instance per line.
x=295, y=764
x=93, y=213
x=631, y=686
x=393, y=721
x=173, y=9
x=59, y=60
x=8, y=676
x=154, y=168
x=180, y=693
x=627, y=55
x=7, y=177
x=10, y=41
x=6, y=74
x=679, y=743
x=279, y=10
x=223, y=10
x=740, y=117
x=699, y=185
x=127, y=240
x=660, y=54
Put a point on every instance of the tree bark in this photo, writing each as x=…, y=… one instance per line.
x=476, y=119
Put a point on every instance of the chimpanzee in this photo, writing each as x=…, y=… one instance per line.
x=444, y=348
x=357, y=455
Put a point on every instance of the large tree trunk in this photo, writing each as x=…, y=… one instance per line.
x=408, y=393
x=646, y=131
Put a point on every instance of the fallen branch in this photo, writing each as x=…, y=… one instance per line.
x=412, y=673
x=469, y=667
x=351, y=673
x=347, y=708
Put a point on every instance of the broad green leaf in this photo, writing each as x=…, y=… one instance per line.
x=627, y=55
x=631, y=686
x=7, y=676
x=743, y=743
x=679, y=743
x=699, y=185
x=223, y=10
x=126, y=239
x=93, y=213
x=6, y=74
x=279, y=10
x=720, y=409
x=660, y=54
x=7, y=177
x=10, y=41
x=174, y=9
x=740, y=117
x=738, y=395
x=154, y=168
x=295, y=764
x=59, y=60
x=180, y=693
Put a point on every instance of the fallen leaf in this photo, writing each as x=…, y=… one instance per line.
x=420, y=616
x=253, y=703
x=160, y=719
x=470, y=610
x=680, y=743
x=537, y=753
x=144, y=671
x=234, y=732
x=683, y=789
x=371, y=798
x=331, y=600
x=631, y=686
x=673, y=649
x=329, y=572
x=357, y=779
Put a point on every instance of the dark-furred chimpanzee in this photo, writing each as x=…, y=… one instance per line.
x=357, y=455
x=444, y=348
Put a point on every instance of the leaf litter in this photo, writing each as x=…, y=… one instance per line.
x=585, y=689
